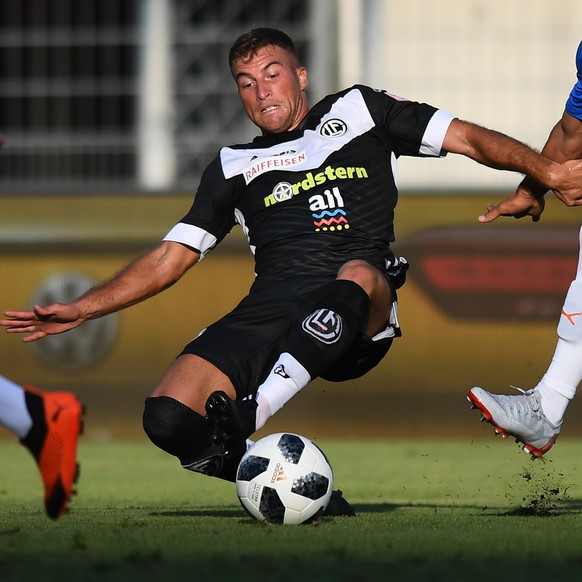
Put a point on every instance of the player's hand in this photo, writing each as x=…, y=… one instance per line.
x=42, y=321
x=571, y=195
x=518, y=205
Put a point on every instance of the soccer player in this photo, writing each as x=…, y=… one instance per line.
x=48, y=424
x=535, y=417
x=315, y=195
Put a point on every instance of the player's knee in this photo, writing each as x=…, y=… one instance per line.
x=365, y=275
x=179, y=431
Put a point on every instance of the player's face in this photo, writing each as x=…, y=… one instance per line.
x=272, y=86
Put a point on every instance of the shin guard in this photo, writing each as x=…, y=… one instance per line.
x=179, y=431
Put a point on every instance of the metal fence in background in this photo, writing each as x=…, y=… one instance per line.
x=135, y=95
x=118, y=95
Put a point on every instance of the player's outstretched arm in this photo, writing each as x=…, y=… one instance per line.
x=499, y=151
x=145, y=277
x=564, y=145
x=42, y=321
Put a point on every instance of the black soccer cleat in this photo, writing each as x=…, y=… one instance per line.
x=234, y=419
x=338, y=506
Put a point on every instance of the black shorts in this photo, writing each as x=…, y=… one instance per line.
x=246, y=343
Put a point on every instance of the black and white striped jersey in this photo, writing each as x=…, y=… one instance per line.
x=311, y=199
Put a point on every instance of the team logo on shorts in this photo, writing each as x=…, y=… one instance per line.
x=324, y=325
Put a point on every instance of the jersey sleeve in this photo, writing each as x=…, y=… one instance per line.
x=411, y=128
x=212, y=214
x=574, y=103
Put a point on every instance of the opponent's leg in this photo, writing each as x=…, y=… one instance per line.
x=48, y=424
x=14, y=413
x=560, y=382
x=535, y=417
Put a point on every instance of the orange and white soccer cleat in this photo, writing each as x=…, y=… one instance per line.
x=52, y=440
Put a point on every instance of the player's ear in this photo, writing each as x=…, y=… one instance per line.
x=302, y=76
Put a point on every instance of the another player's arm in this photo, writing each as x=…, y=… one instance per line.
x=144, y=277
x=564, y=144
x=502, y=152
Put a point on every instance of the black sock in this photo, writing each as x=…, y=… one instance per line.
x=34, y=439
x=180, y=431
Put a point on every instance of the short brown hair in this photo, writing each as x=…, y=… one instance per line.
x=247, y=45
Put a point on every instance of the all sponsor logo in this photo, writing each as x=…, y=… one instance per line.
x=328, y=211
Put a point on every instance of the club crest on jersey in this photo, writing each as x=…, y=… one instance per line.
x=333, y=128
x=324, y=325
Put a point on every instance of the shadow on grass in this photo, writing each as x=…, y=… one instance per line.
x=239, y=511
x=388, y=507
x=542, y=507
x=203, y=512
x=536, y=507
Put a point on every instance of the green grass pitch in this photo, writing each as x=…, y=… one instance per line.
x=437, y=510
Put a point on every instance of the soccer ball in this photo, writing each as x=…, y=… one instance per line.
x=284, y=478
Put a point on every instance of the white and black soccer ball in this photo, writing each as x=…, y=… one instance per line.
x=284, y=478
